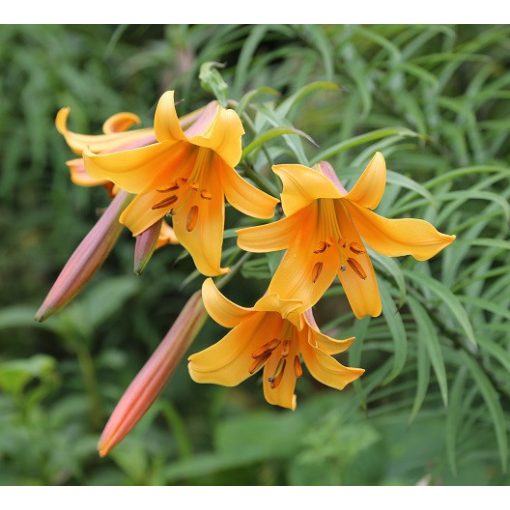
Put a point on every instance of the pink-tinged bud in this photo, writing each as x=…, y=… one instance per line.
x=151, y=379
x=86, y=259
x=329, y=172
x=145, y=244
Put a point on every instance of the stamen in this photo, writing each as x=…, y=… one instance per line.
x=277, y=377
x=341, y=242
x=285, y=347
x=194, y=186
x=205, y=195
x=323, y=246
x=357, y=248
x=298, y=369
x=173, y=187
x=191, y=220
x=259, y=362
x=164, y=203
x=266, y=348
x=316, y=271
x=357, y=268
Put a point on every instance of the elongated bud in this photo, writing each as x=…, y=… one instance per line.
x=86, y=259
x=145, y=246
x=329, y=172
x=151, y=379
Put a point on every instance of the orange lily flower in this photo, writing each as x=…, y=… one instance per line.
x=187, y=174
x=115, y=137
x=325, y=232
x=274, y=336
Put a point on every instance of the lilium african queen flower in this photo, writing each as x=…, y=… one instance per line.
x=325, y=232
x=187, y=174
x=274, y=336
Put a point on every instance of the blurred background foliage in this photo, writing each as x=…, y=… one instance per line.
x=434, y=404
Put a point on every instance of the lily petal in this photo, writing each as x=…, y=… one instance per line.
x=244, y=197
x=166, y=121
x=140, y=216
x=228, y=361
x=79, y=175
x=275, y=236
x=166, y=236
x=303, y=185
x=369, y=188
x=223, y=136
x=198, y=224
x=119, y=122
x=362, y=293
x=222, y=310
x=140, y=169
x=284, y=393
x=394, y=238
x=328, y=370
x=322, y=342
x=101, y=143
x=304, y=272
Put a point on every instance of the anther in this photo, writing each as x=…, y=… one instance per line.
x=173, y=187
x=316, y=271
x=191, y=220
x=323, y=246
x=341, y=242
x=164, y=203
x=285, y=347
x=259, y=362
x=298, y=369
x=266, y=348
x=357, y=248
x=194, y=186
x=357, y=268
x=277, y=377
x=205, y=195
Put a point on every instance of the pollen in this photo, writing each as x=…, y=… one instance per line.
x=316, y=271
x=166, y=202
x=323, y=246
x=277, y=377
x=357, y=248
x=173, y=187
x=191, y=220
x=266, y=348
x=357, y=268
x=258, y=362
x=206, y=195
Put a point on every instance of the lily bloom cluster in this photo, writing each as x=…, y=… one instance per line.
x=184, y=170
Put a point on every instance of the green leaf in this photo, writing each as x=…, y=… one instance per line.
x=427, y=335
x=491, y=398
x=423, y=379
x=454, y=417
x=397, y=329
x=448, y=298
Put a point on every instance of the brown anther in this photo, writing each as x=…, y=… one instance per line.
x=194, y=186
x=323, y=246
x=268, y=347
x=277, y=377
x=357, y=248
x=183, y=180
x=205, y=195
x=298, y=369
x=316, y=271
x=285, y=347
x=259, y=361
x=166, y=202
x=192, y=218
x=173, y=187
x=357, y=268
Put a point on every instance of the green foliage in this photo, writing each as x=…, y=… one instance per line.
x=434, y=403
